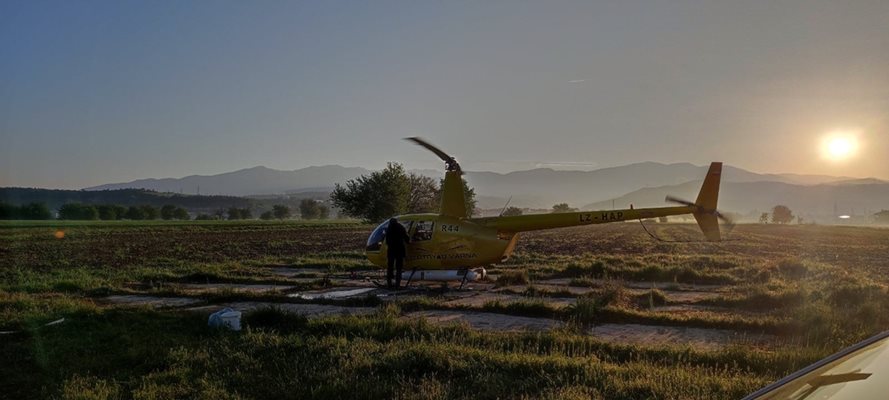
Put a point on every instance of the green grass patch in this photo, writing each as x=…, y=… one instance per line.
x=513, y=277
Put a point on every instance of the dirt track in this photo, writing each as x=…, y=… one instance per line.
x=468, y=307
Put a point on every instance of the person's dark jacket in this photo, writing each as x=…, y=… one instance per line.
x=396, y=239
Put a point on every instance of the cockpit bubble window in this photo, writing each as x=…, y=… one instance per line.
x=424, y=231
x=375, y=241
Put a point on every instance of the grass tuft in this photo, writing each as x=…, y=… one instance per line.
x=274, y=318
x=513, y=277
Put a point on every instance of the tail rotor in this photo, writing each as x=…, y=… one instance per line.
x=704, y=208
x=727, y=221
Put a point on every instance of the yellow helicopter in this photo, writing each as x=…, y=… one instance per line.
x=451, y=245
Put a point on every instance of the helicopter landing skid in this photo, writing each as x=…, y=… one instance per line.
x=462, y=282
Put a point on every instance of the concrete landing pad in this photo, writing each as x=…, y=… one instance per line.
x=672, y=286
x=153, y=301
x=237, y=287
x=308, y=310
x=639, y=334
x=479, y=299
x=645, y=335
x=486, y=321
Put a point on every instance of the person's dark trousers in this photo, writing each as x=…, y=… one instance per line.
x=396, y=263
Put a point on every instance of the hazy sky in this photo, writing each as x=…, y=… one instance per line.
x=105, y=91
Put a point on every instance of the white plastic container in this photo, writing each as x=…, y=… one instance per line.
x=225, y=318
x=231, y=320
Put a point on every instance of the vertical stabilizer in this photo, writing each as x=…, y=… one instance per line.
x=706, y=213
x=453, y=203
x=709, y=225
x=709, y=194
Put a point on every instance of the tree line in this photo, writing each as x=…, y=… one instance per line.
x=79, y=211
x=114, y=212
x=781, y=214
x=309, y=209
x=55, y=198
x=29, y=211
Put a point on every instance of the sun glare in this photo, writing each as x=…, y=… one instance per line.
x=839, y=146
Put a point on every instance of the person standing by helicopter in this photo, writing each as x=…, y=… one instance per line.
x=396, y=241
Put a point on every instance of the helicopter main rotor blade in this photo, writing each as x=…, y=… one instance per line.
x=452, y=164
x=677, y=200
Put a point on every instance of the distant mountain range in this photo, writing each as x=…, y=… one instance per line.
x=643, y=184
x=853, y=197
x=543, y=187
x=246, y=182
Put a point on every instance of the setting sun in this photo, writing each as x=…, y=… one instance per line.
x=839, y=146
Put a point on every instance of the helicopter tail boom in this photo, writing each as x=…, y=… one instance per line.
x=709, y=194
x=704, y=211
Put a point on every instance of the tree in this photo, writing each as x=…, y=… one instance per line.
x=119, y=211
x=511, y=211
x=109, y=212
x=882, y=217
x=424, y=197
x=390, y=192
x=167, y=211
x=77, y=211
x=150, y=212
x=90, y=212
x=239, y=213
x=307, y=209
x=135, y=213
x=281, y=211
x=8, y=211
x=376, y=196
x=268, y=215
x=764, y=218
x=563, y=208
x=204, y=217
x=181, y=214
x=781, y=215
x=323, y=211
x=34, y=211
x=313, y=209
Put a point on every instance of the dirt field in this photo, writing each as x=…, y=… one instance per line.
x=602, y=311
